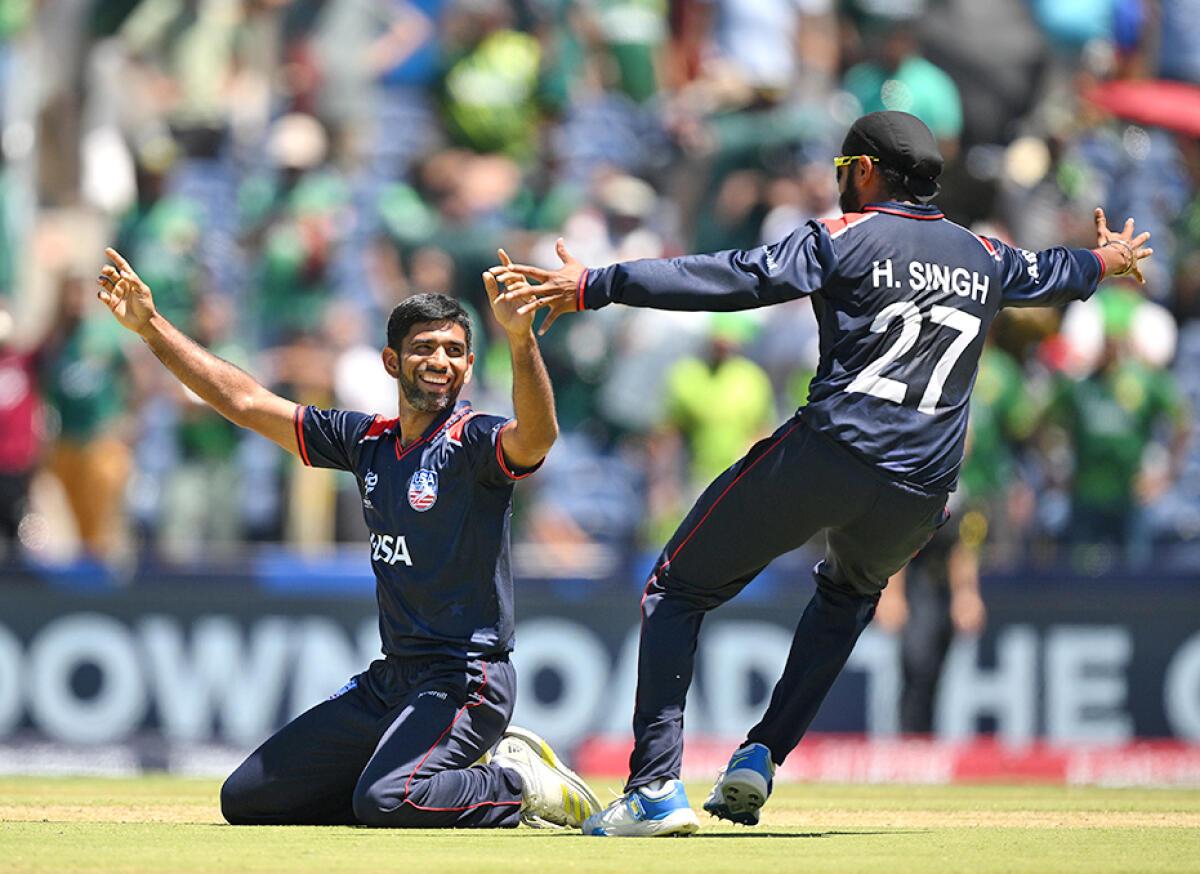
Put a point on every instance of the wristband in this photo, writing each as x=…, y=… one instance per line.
x=1130, y=259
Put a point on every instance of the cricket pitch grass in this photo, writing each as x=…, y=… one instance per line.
x=166, y=824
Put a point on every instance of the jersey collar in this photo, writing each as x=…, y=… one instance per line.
x=922, y=211
x=439, y=424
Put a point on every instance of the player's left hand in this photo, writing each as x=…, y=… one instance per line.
x=124, y=293
x=1133, y=249
x=556, y=289
x=511, y=306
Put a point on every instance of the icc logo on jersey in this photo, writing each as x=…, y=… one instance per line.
x=423, y=489
x=369, y=482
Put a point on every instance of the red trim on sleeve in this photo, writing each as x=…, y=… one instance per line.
x=454, y=433
x=378, y=427
x=298, y=424
x=580, y=286
x=500, y=457
x=987, y=244
x=1096, y=255
x=838, y=226
x=833, y=225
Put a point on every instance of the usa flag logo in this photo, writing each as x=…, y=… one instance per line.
x=423, y=489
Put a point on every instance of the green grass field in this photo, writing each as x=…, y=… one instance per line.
x=173, y=825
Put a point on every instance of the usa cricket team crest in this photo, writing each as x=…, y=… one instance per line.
x=423, y=489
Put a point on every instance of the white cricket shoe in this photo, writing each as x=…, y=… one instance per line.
x=554, y=795
x=645, y=813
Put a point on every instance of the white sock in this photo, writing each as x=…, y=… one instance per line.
x=660, y=788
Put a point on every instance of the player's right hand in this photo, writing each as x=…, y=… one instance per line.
x=556, y=289
x=124, y=293
x=1131, y=249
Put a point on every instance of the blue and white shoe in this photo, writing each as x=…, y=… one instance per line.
x=743, y=786
x=646, y=813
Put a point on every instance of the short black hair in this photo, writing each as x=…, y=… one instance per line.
x=425, y=308
x=895, y=183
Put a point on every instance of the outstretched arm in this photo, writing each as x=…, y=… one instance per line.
x=721, y=282
x=226, y=388
x=528, y=438
x=1057, y=276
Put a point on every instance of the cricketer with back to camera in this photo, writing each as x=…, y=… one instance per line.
x=904, y=299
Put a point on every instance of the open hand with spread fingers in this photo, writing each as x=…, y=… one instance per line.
x=125, y=294
x=513, y=305
x=556, y=289
x=1121, y=252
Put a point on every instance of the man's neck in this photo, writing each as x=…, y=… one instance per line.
x=414, y=423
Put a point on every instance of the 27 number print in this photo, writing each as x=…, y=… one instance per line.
x=872, y=382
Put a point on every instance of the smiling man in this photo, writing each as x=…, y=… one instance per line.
x=400, y=744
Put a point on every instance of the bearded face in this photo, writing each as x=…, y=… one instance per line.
x=432, y=366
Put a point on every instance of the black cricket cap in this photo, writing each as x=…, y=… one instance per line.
x=902, y=142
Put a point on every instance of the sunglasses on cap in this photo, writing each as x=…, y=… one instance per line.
x=844, y=160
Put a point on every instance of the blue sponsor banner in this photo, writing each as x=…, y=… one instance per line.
x=1067, y=660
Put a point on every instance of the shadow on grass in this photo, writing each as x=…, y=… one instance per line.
x=834, y=834
x=749, y=836
x=560, y=834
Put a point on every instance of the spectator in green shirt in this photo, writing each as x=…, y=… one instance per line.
x=1112, y=417
x=997, y=502
x=202, y=493
x=721, y=403
x=633, y=33
x=84, y=379
x=490, y=87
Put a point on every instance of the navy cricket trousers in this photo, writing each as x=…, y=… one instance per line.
x=396, y=747
x=786, y=489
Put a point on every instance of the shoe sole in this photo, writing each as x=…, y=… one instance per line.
x=534, y=821
x=548, y=756
x=744, y=792
x=677, y=823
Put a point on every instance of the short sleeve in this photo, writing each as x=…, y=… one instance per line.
x=483, y=438
x=330, y=438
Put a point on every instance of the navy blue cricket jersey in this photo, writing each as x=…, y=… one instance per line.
x=904, y=299
x=438, y=513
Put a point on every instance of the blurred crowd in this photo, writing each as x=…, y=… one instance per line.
x=282, y=172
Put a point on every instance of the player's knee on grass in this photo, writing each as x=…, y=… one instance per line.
x=237, y=795
x=377, y=803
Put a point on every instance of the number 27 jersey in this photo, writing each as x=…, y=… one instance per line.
x=904, y=300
